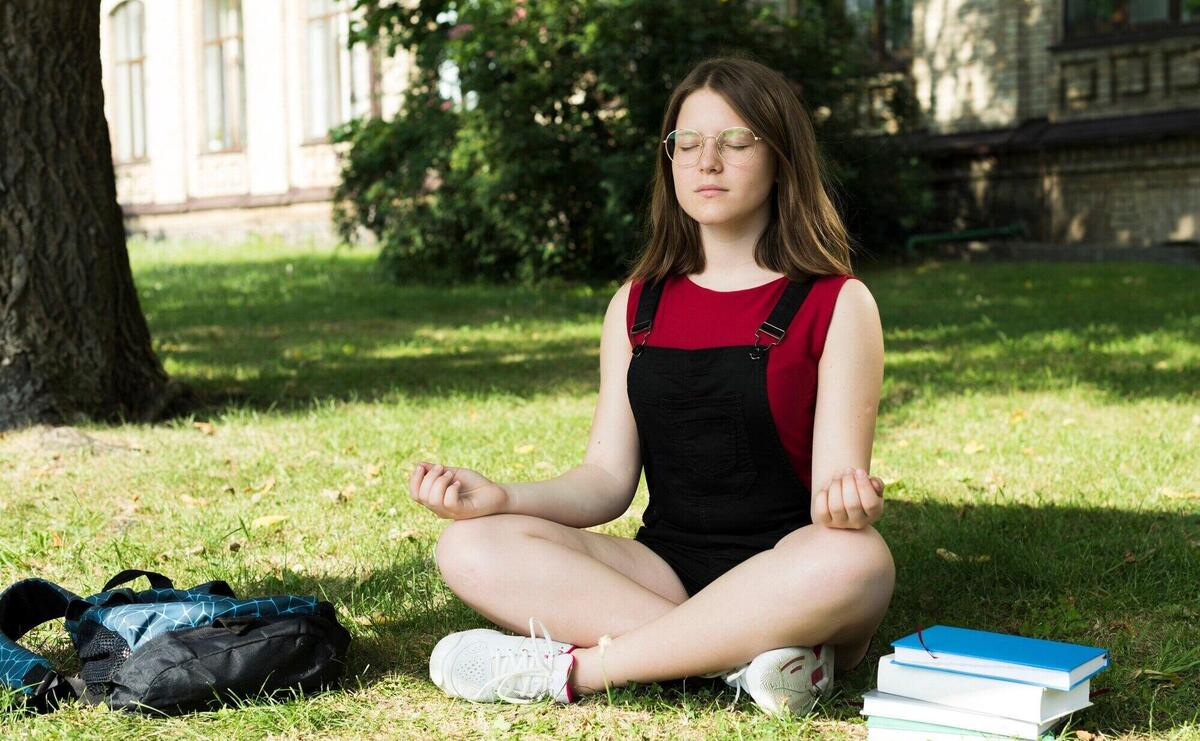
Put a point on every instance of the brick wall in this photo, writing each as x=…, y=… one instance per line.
x=998, y=64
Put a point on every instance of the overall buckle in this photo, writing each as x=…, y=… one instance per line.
x=770, y=330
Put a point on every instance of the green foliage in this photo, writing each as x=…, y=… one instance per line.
x=542, y=167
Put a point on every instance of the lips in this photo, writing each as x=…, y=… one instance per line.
x=704, y=188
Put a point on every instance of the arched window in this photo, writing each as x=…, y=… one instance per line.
x=224, y=72
x=129, y=126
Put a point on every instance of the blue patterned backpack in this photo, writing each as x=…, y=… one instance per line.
x=169, y=650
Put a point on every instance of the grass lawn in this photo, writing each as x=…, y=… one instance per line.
x=1039, y=432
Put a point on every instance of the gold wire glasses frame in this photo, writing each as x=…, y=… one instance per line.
x=735, y=153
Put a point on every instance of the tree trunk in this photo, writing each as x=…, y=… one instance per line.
x=73, y=340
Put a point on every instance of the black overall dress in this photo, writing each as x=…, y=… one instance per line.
x=721, y=485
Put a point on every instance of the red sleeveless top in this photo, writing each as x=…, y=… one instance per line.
x=692, y=317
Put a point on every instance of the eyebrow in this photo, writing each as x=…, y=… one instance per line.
x=693, y=128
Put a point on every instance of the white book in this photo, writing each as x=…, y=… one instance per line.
x=897, y=734
x=1016, y=700
x=906, y=708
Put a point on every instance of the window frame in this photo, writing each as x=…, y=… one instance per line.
x=237, y=143
x=125, y=66
x=1173, y=25
x=337, y=19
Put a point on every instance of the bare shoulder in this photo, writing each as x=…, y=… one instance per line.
x=615, y=315
x=855, y=311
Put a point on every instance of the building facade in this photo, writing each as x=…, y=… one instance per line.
x=219, y=112
x=1080, y=118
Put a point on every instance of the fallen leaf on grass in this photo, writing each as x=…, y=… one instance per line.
x=901, y=443
x=193, y=501
x=373, y=471
x=340, y=495
x=196, y=550
x=1017, y=416
x=1157, y=676
x=523, y=449
x=1084, y=735
x=1182, y=494
x=234, y=547
x=267, y=521
x=947, y=555
x=398, y=534
x=1068, y=421
x=206, y=427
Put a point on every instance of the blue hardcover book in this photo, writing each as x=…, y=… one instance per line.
x=1054, y=664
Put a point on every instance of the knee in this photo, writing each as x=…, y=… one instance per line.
x=856, y=565
x=467, y=549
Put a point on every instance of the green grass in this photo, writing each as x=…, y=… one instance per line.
x=1041, y=422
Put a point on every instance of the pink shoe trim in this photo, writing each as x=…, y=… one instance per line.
x=567, y=688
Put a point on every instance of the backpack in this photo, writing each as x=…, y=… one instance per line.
x=169, y=650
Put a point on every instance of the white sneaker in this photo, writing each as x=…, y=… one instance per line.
x=484, y=665
x=790, y=678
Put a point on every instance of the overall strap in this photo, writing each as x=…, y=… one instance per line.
x=781, y=316
x=646, y=308
x=24, y=606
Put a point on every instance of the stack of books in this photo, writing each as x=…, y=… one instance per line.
x=948, y=683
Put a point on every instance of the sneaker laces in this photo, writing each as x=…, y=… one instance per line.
x=731, y=678
x=521, y=670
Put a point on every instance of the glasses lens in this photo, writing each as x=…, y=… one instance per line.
x=737, y=145
x=683, y=146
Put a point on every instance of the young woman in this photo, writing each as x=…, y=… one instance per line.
x=740, y=363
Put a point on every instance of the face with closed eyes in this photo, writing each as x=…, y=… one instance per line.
x=743, y=188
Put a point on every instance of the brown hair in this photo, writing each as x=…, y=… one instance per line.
x=805, y=235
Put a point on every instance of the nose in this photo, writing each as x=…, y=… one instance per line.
x=710, y=159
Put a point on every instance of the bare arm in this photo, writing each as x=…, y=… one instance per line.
x=849, y=383
x=601, y=488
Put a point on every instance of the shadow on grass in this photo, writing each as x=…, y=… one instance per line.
x=285, y=333
x=1120, y=580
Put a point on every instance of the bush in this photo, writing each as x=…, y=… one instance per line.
x=542, y=168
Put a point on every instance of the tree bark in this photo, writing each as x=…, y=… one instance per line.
x=73, y=341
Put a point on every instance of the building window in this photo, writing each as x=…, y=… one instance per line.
x=885, y=26
x=1101, y=17
x=342, y=82
x=129, y=82
x=224, y=85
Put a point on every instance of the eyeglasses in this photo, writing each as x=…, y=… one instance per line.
x=735, y=145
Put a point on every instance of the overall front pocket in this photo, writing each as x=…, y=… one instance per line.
x=704, y=445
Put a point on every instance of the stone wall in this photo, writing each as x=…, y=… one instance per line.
x=988, y=67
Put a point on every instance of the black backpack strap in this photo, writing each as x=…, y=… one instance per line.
x=216, y=587
x=24, y=606
x=157, y=580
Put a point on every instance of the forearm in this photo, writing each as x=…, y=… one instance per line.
x=584, y=496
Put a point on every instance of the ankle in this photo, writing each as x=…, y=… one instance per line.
x=585, y=677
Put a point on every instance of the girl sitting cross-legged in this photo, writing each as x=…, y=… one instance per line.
x=741, y=365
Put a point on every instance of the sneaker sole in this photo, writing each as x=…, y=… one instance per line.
x=443, y=652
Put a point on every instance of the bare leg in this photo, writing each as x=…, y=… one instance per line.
x=580, y=583
x=818, y=585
